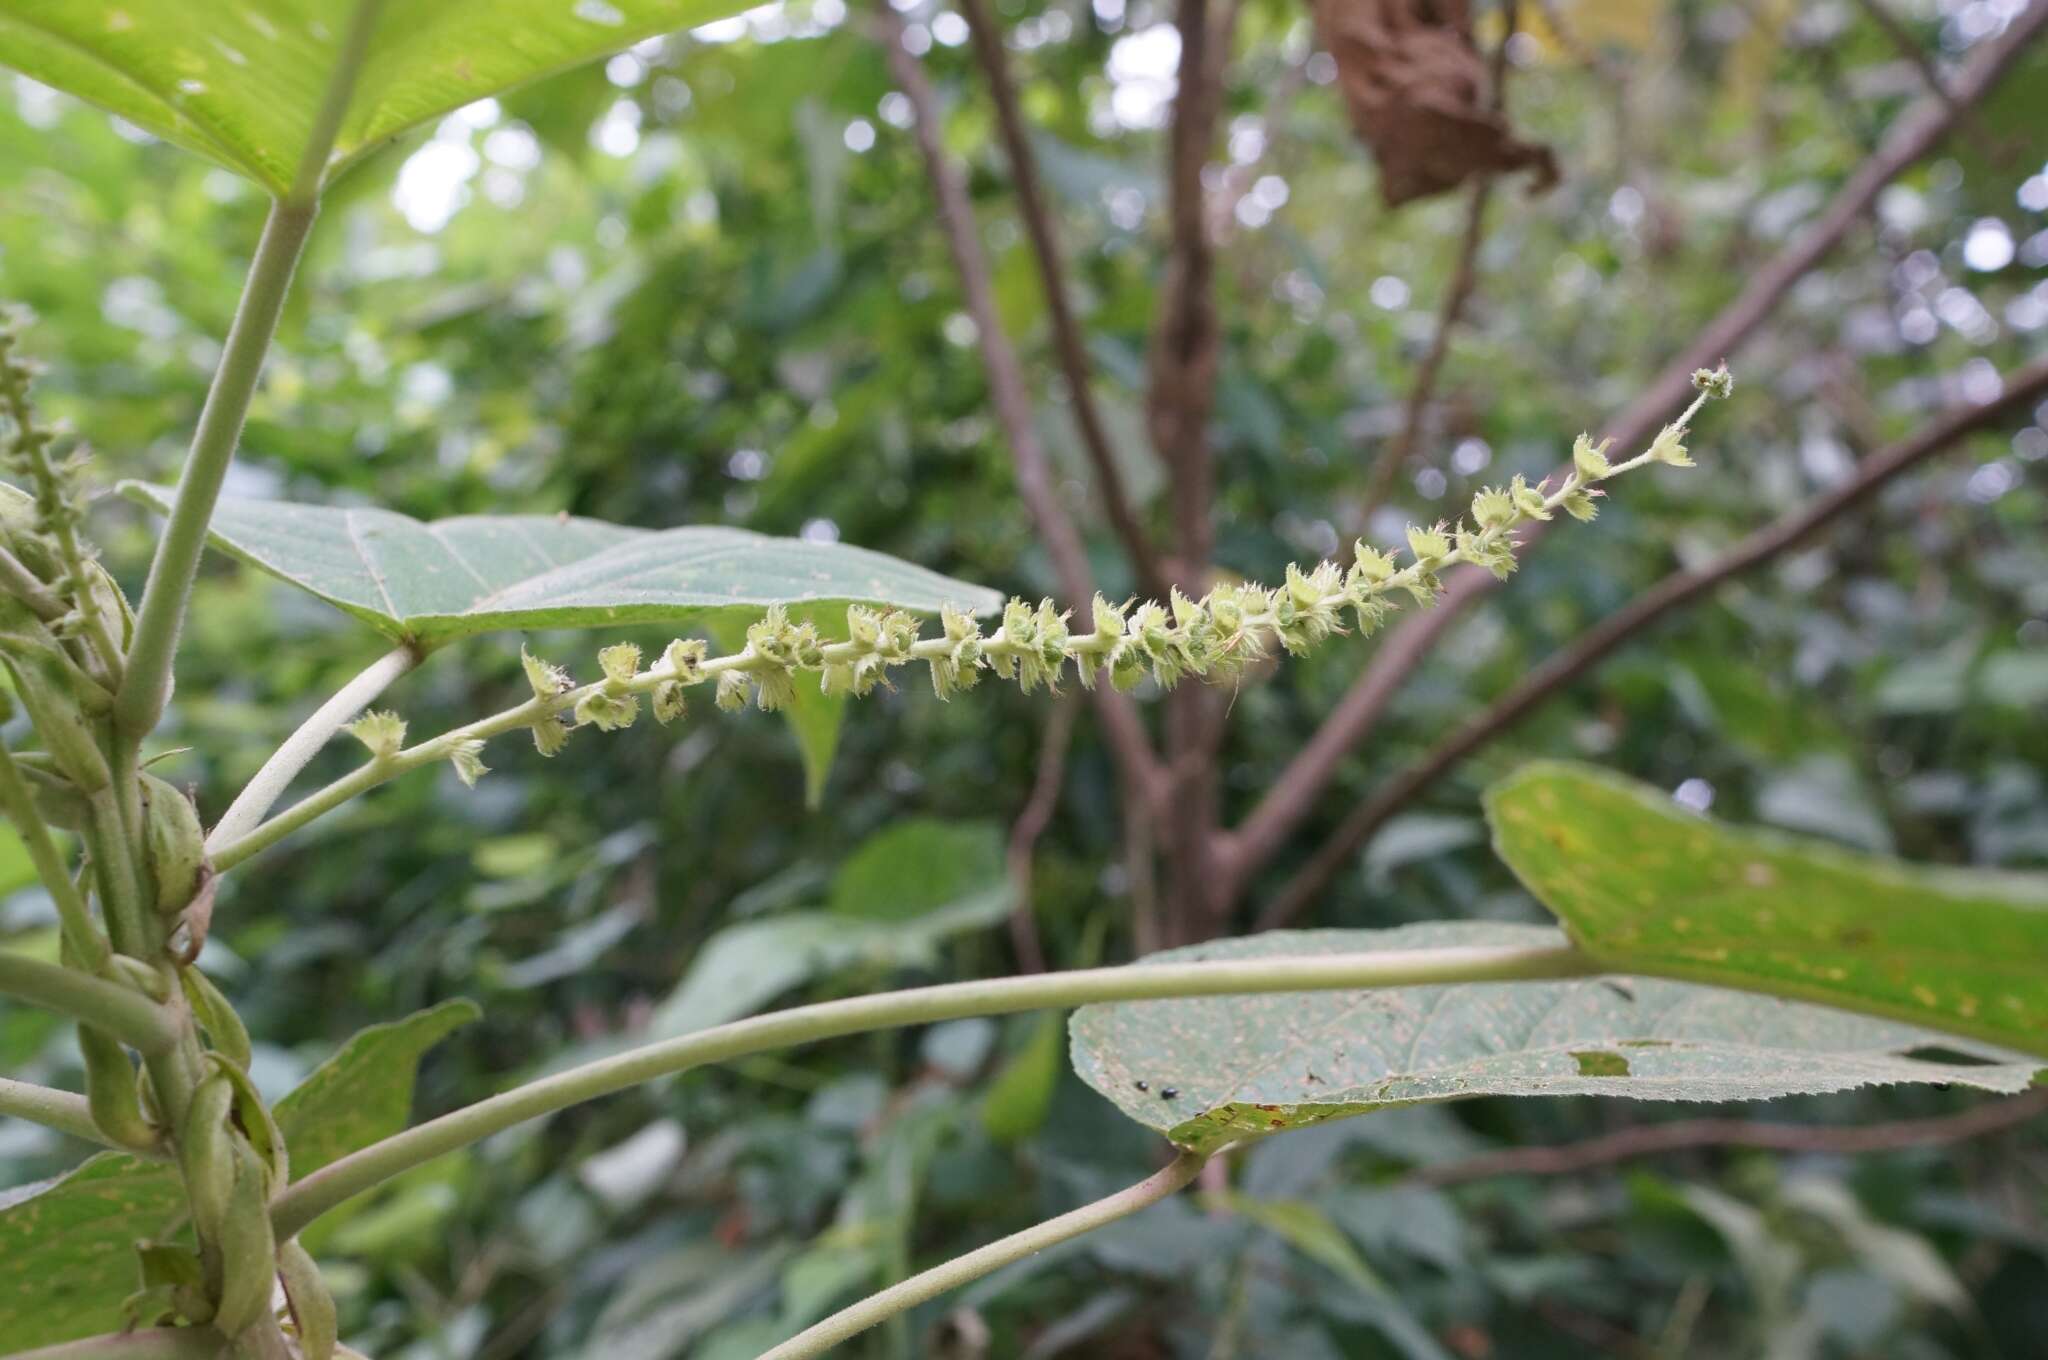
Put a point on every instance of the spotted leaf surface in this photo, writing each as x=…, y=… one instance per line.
x=1642, y=883
x=241, y=83
x=434, y=582
x=1210, y=1071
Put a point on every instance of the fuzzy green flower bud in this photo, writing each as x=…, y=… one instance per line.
x=607, y=712
x=1493, y=508
x=1590, y=458
x=550, y=735
x=1528, y=499
x=620, y=662
x=467, y=758
x=1430, y=546
x=1667, y=447
x=548, y=681
x=1581, y=504
x=382, y=733
x=731, y=694
x=1717, y=383
x=1371, y=565
x=685, y=657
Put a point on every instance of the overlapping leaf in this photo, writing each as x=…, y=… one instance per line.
x=69, y=1243
x=242, y=82
x=434, y=582
x=1215, y=1070
x=1643, y=884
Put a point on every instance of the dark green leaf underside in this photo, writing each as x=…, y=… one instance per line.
x=430, y=583
x=1217, y=1070
x=69, y=1243
x=1643, y=884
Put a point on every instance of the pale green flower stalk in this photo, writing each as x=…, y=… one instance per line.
x=1214, y=638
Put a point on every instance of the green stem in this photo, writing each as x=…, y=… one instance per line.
x=127, y=1015
x=341, y=1180
x=153, y=1343
x=270, y=782
x=851, y=1321
x=59, y=1110
x=146, y=684
x=87, y=944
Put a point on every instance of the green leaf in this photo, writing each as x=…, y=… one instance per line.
x=69, y=1242
x=1221, y=1069
x=1642, y=884
x=906, y=890
x=1019, y=1099
x=917, y=865
x=242, y=82
x=17, y=870
x=813, y=716
x=453, y=578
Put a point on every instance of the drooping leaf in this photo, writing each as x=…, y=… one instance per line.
x=242, y=82
x=1214, y=1070
x=1645, y=885
x=812, y=716
x=433, y=582
x=69, y=1242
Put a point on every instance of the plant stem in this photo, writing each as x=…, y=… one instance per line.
x=151, y=1343
x=87, y=944
x=127, y=1015
x=337, y=1182
x=146, y=685
x=270, y=782
x=816, y=1340
x=59, y=1110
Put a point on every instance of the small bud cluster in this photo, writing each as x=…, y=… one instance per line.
x=49, y=544
x=1213, y=638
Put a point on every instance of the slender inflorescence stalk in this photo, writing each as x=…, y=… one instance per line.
x=854, y=1319
x=341, y=1180
x=88, y=945
x=1213, y=638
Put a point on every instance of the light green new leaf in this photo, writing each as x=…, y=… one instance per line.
x=1215, y=1070
x=431, y=583
x=69, y=1242
x=242, y=82
x=1644, y=885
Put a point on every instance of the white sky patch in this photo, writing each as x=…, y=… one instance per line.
x=859, y=135
x=618, y=132
x=433, y=184
x=1143, y=69
x=1989, y=246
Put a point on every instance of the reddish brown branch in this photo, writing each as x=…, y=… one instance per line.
x=1647, y=1140
x=2022, y=389
x=1030, y=825
x=1916, y=132
x=1068, y=344
x=1007, y=390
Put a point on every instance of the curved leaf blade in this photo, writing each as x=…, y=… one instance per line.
x=241, y=83
x=1643, y=884
x=430, y=583
x=1248, y=1067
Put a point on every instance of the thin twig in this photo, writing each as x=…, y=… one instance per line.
x=1300, y=787
x=1121, y=727
x=1647, y=1140
x=1068, y=344
x=848, y=1322
x=1674, y=592
x=1030, y=825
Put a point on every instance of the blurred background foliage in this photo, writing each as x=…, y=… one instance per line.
x=701, y=284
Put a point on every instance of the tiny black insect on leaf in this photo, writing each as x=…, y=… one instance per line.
x=1169, y=1093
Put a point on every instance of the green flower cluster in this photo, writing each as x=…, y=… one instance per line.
x=1213, y=638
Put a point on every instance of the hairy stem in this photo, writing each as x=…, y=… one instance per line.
x=59, y=1110
x=341, y=1180
x=128, y=1015
x=88, y=946
x=270, y=782
x=146, y=685
x=848, y=1322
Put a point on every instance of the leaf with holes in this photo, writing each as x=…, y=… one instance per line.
x=1218, y=1070
x=241, y=83
x=430, y=583
x=1644, y=885
x=69, y=1242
